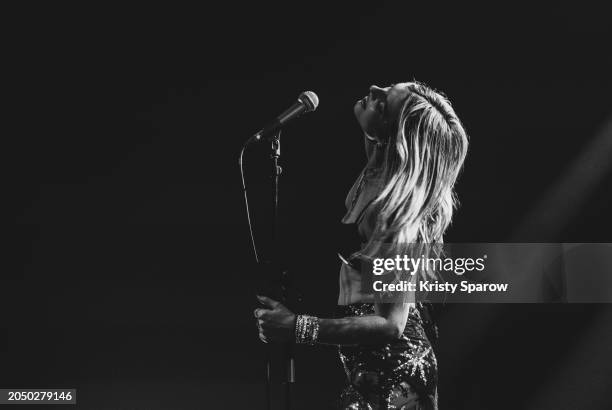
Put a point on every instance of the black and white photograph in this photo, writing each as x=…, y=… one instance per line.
x=308, y=205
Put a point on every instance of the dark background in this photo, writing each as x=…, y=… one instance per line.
x=134, y=280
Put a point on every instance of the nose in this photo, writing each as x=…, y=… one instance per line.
x=377, y=92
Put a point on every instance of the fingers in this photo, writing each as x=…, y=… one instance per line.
x=260, y=329
x=262, y=335
x=261, y=324
x=260, y=313
x=266, y=301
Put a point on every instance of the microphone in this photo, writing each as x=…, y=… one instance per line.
x=306, y=102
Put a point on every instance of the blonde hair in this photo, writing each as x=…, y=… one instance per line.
x=425, y=150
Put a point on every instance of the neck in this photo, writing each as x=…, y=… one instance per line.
x=375, y=156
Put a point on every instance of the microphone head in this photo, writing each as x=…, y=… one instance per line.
x=310, y=100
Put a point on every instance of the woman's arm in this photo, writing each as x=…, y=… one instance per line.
x=277, y=323
x=386, y=325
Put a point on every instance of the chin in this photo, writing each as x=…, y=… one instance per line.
x=357, y=110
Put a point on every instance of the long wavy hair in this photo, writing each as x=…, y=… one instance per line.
x=425, y=149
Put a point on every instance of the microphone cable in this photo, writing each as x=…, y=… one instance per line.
x=246, y=199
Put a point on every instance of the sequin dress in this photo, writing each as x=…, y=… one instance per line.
x=398, y=375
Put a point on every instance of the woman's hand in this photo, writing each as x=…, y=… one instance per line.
x=276, y=323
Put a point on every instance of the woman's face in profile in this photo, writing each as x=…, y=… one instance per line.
x=376, y=109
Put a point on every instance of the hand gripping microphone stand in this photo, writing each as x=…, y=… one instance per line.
x=308, y=101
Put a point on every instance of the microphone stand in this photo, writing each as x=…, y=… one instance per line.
x=272, y=271
x=307, y=101
x=288, y=354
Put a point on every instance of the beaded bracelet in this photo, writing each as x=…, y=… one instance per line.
x=306, y=329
